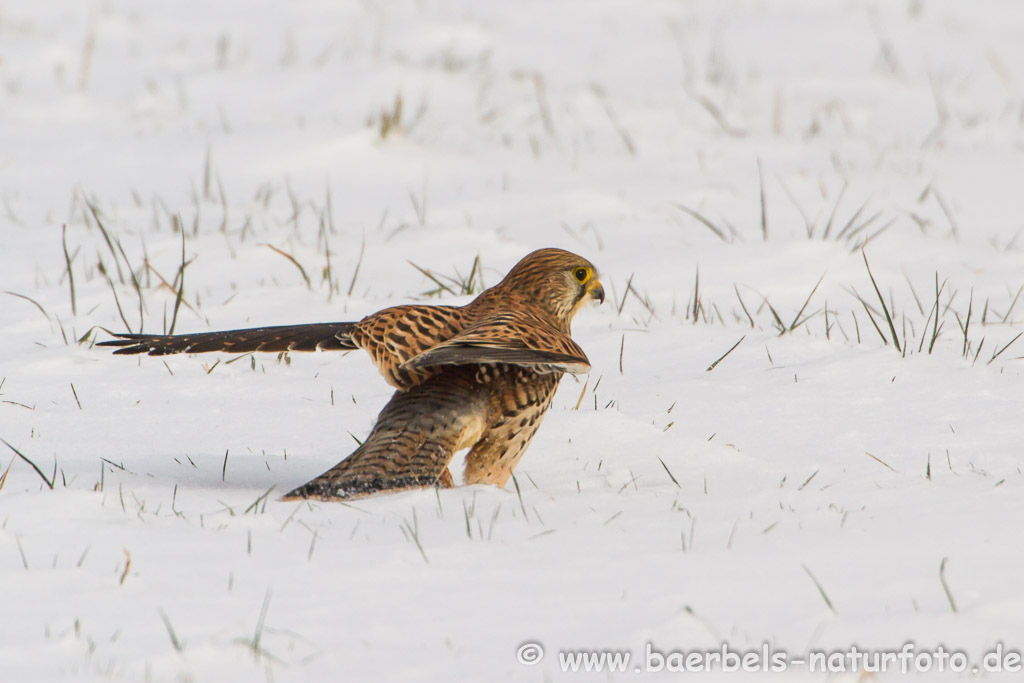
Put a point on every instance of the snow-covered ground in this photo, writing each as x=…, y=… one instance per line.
x=815, y=490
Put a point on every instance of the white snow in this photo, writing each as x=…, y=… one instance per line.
x=821, y=455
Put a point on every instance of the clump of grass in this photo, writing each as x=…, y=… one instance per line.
x=455, y=285
x=390, y=119
x=897, y=329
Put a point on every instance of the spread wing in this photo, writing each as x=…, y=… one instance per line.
x=511, y=337
x=311, y=337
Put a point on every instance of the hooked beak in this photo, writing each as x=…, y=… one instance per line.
x=596, y=291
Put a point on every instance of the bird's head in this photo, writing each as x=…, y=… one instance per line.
x=557, y=281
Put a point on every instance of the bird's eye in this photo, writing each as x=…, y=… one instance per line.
x=581, y=274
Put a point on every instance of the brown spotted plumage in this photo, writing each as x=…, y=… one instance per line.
x=478, y=376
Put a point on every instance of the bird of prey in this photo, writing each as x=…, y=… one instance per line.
x=478, y=376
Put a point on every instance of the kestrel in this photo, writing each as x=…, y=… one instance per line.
x=479, y=376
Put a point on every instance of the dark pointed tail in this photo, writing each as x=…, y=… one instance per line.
x=322, y=336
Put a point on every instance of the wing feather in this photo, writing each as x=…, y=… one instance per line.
x=512, y=338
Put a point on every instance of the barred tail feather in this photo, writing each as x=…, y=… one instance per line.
x=311, y=337
x=414, y=439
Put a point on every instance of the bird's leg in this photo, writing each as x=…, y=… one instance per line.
x=492, y=462
x=519, y=404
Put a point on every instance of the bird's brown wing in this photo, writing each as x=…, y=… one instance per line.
x=413, y=441
x=513, y=338
x=311, y=337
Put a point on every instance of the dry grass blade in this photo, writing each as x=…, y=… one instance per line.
x=1000, y=351
x=135, y=284
x=295, y=262
x=67, y=263
x=710, y=226
x=31, y=301
x=808, y=480
x=1012, y=304
x=359, y=263
x=978, y=352
x=207, y=175
x=880, y=461
x=475, y=271
x=254, y=506
x=796, y=319
x=821, y=590
x=180, y=279
x=743, y=306
x=722, y=357
x=257, y=635
x=519, y=494
x=117, y=301
x=696, y=296
x=622, y=349
x=949, y=214
x=3, y=477
x=627, y=139
x=913, y=293
x=433, y=278
x=716, y=114
x=47, y=480
x=106, y=238
x=775, y=315
x=582, y=393
x=328, y=273
x=127, y=567
x=175, y=642
x=644, y=301
x=808, y=225
x=945, y=586
x=419, y=207
x=860, y=228
x=542, y=103
x=764, y=208
x=669, y=472
x=881, y=299
x=870, y=238
x=835, y=208
x=625, y=294
x=927, y=321
x=937, y=327
x=965, y=324
x=468, y=284
x=871, y=317
x=391, y=120
x=853, y=219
